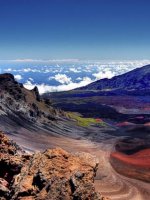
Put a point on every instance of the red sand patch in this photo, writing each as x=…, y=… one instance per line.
x=139, y=159
x=147, y=108
x=99, y=120
x=140, y=117
x=147, y=124
x=123, y=124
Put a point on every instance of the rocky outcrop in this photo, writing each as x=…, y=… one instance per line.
x=18, y=102
x=11, y=163
x=37, y=94
x=54, y=174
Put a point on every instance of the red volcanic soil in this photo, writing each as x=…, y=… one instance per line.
x=99, y=120
x=139, y=117
x=135, y=166
x=147, y=108
x=139, y=159
x=124, y=124
x=147, y=124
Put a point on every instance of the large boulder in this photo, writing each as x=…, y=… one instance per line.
x=53, y=175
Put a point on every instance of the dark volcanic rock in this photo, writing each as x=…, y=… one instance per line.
x=52, y=175
x=18, y=102
x=10, y=160
x=36, y=91
x=137, y=79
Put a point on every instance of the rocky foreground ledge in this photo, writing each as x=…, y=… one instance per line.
x=51, y=175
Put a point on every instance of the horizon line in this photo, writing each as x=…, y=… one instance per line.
x=73, y=60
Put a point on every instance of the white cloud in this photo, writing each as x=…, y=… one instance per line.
x=47, y=71
x=8, y=70
x=31, y=70
x=18, y=77
x=79, y=79
x=104, y=74
x=31, y=79
x=61, y=78
x=74, y=70
x=44, y=61
x=43, y=88
x=98, y=69
x=29, y=83
x=27, y=70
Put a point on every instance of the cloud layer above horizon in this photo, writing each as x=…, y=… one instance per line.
x=63, y=75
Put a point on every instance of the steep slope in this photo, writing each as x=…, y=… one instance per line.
x=30, y=120
x=34, y=133
x=136, y=79
x=127, y=94
x=18, y=102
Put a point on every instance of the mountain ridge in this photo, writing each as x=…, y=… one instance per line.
x=16, y=100
x=138, y=78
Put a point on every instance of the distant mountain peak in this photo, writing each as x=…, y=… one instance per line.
x=136, y=79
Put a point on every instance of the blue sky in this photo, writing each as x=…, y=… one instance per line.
x=82, y=29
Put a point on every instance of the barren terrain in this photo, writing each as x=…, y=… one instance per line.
x=97, y=141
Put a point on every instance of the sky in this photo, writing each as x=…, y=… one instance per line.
x=75, y=29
